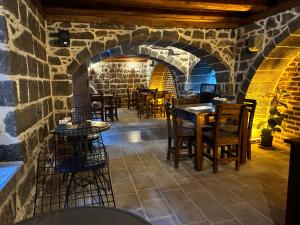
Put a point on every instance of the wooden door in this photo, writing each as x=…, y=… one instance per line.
x=81, y=95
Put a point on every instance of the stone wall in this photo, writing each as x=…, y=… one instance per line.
x=117, y=77
x=290, y=81
x=274, y=30
x=100, y=41
x=25, y=100
x=257, y=73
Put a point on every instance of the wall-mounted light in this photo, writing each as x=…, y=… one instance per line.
x=255, y=43
x=64, y=38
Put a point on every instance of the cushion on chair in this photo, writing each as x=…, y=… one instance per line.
x=229, y=128
x=230, y=137
x=187, y=124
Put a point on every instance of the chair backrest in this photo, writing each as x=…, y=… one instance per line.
x=178, y=115
x=210, y=88
x=116, y=100
x=97, y=99
x=251, y=106
x=229, y=114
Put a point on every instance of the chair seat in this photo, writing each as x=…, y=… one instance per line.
x=224, y=137
x=187, y=124
x=80, y=163
x=190, y=125
x=229, y=128
x=184, y=133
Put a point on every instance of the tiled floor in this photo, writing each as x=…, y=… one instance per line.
x=145, y=183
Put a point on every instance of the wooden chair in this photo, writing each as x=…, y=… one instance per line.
x=131, y=99
x=219, y=138
x=111, y=107
x=141, y=106
x=181, y=138
x=250, y=105
x=97, y=105
x=157, y=103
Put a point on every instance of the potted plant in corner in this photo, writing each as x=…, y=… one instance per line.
x=276, y=117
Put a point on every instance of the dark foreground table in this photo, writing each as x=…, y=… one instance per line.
x=86, y=216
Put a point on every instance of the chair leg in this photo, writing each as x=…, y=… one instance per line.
x=177, y=149
x=222, y=152
x=249, y=156
x=190, y=149
x=238, y=158
x=116, y=113
x=169, y=148
x=215, y=160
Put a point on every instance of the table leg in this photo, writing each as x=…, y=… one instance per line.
x=244, y=147
x=199, y=144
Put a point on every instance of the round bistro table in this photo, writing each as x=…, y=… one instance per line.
x=86, y=216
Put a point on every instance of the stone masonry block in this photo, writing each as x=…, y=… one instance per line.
x=61, y=88
x=8, y=95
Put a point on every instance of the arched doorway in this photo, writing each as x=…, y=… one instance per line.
x=275, y=67
x=161, y=78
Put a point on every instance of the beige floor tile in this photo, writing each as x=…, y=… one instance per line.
x=149, y=194
x=156, y=208
x=212, y=209
x=201, y=223
x=218, y=191
x=139, y=212
x=163, y=179
x=164, y=221
x=231, y=182
x=124, y=188
x=248, y=214
x=191, y=186
x=260, y=202
x=129, y=202
x=183, y=207
x=229, y=222
x=261, y=182
x=142, y=181
x=119, y=176
x=137, y=168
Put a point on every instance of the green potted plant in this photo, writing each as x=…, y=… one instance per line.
x=276, y=117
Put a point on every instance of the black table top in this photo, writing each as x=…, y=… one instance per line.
x=100, y=125
x=200, y=108
x=86, y=216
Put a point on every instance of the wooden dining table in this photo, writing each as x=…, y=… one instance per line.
x=201, y=112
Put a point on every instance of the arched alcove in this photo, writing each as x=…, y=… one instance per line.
x=128, y=42
x=201, y=73
x=267, y=70
x=161, y=79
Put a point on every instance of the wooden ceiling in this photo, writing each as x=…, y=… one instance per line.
x=163, y=13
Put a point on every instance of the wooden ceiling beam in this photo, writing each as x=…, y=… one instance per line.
x=141, y=18
x=280, y=7
x=190, y=5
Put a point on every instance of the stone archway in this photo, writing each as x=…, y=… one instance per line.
x=178, y=73
x=267, y=69
x=126, y=47
x=86, y=43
